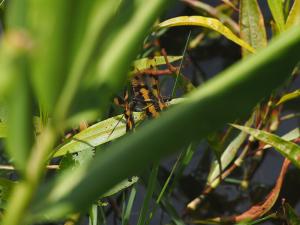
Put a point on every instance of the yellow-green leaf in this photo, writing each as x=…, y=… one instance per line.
x=97, y=134
x=252, y=25
x=289, y=96
x=207, y=22
x=294, y=15
x=288, y=149
x=147, y=63
x=276, y=8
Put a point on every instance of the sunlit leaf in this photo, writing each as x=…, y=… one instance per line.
x=148, y=63
x=97, y=134
x=289, y=96
x=276, y=7
x=207, y=22
x=286, y=148
x=294, y=15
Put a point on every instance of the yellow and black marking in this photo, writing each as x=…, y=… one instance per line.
x=127, y=110
x=144, y=93
x=128, y=113
x=145, y=96
x=155, y=90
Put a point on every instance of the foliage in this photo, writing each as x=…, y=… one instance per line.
x=62, y=62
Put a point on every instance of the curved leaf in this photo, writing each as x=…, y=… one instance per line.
x=207, y=22
x=289, y=96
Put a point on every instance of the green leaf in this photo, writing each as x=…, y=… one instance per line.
x=294, y=15
x=192, y=119
x=5, y=189
x=17, y=96
x=276, y=8
x=229, y=154
x=290, y=214
x=97, y=134
x=127, y=211
x=3, y=130
x=121, y=186
x=289, y=97
x=48, y=71
x=207, y=22
x=252, y=25
x=286, y=148
x=95, y=28
x=93, y=215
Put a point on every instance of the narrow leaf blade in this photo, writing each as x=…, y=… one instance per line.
x=286, y=148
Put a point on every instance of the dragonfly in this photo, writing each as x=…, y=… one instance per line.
x=144, y=90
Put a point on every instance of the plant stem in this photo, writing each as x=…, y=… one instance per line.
x=25, y=190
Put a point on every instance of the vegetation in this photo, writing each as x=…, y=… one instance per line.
x=63, y=159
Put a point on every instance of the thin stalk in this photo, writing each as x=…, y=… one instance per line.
x=25, y=190
x=181, y=63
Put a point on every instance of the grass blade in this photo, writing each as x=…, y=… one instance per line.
x=286, y=148
x=276, y=7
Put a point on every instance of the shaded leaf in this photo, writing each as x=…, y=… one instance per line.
x=3, y=130
x=207, y=22
x=229, y=154
x=294, y=15
x=121, y=186
x=5, y=189
x=290, y=214
x=288, y=149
